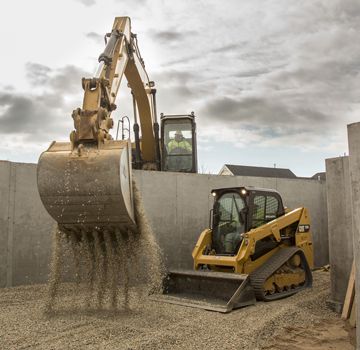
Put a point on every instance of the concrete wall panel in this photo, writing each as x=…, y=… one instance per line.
x=31, y=231
x=4, y=216
x=178, y=231
x=177, y=205
x=339, y=227
x=354, y=166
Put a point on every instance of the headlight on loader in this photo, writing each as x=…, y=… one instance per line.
x=303, y=228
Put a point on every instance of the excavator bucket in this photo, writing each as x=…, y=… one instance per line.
x=214, y=291
x=88, y=188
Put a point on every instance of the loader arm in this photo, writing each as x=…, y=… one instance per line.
x=241, y=262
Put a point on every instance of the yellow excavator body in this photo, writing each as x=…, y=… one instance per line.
x=86, y=183
x=255, y=250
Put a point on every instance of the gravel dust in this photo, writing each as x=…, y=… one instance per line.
x=105, y=260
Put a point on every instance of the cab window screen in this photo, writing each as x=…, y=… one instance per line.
x=258, y=218
x=272, y=207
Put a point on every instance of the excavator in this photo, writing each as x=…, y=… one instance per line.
x=87, y=181
x=255, y=249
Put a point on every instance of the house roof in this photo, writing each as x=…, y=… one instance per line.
x=319, y=176
x=244, y=170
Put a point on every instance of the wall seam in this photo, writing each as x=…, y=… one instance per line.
x=10, y=228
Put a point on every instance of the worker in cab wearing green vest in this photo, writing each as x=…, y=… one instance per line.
x=178, y=144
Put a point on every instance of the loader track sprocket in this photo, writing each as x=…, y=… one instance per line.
x=259, y=276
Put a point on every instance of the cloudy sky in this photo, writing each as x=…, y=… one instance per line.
x=270, y=81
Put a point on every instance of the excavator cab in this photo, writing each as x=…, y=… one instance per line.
x=178, y=143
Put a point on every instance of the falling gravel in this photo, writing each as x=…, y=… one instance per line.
x=105, y=263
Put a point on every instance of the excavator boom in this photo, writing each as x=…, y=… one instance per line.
x=87, y=183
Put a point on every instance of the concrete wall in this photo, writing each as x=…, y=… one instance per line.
x=354, y=166
x=178, y=208
x=177, y=205
x=339, y=227
x=24, y=227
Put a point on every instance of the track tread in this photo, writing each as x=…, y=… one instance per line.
x=259, y=276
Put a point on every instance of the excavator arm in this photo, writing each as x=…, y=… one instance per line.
x=86, y=184
x=121, y=57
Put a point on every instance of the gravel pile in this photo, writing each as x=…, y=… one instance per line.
x=147, y=324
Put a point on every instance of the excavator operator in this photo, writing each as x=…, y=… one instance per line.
x=179, y=142
x=179, y=153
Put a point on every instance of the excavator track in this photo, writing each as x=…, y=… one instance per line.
x=259, y=276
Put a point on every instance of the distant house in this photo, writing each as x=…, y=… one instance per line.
x=244, y=170
x=319, y=176
x=258, y=171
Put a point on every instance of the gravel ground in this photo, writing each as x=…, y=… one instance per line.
x=153, y=325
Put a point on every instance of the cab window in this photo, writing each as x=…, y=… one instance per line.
x=178, y=146
x=265, y=209
x=227, y=223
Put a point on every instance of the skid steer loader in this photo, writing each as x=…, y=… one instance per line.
x=255, y=249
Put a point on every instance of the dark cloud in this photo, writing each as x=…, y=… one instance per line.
x=44, y=113
x=68, y=79
x=87, y=2
x=36, y=73
x=18, y=114
x=61, y=80
x=95, y=36
x=167, y=35
x=7, y=87
x=136, y=3
x=172, y=76
x=224, y=48
x=172, y=36
x=251, y=73
x=182, y=60
x=26, y=115
x=264, y=114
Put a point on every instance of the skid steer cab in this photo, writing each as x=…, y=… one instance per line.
x=178, y=143
x=238, y=210
x=253, y=250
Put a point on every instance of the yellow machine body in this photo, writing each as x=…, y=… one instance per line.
x=86, y=183
x=272, y=260
x=241, y=262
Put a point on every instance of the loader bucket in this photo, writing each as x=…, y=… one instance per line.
x=214, y=291
x=88, y=188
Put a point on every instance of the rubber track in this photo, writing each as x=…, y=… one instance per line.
x=259, y=276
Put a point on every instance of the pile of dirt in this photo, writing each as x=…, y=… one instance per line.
x=105, y=261
x=292, y=323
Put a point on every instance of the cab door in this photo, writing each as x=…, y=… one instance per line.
x=178, y=143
